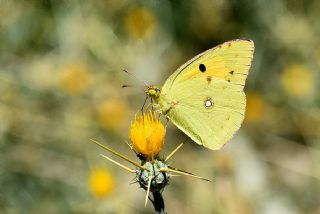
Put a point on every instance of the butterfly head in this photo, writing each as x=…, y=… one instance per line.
x=153, y=92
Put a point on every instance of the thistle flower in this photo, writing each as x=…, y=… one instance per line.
x=153, y=174
x=147, y=135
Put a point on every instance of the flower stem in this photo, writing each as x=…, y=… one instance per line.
x=158, y=203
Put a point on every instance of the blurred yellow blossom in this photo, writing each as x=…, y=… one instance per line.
x=74, y=78
x=308, y=122
x=255, y=107
x=147, y=135
x=223, y=162
x=113, y=113
x=208, y=17
x=297, y=37
x=101, y=182
x=8, y=94
x=297, y=80
x=140, y=22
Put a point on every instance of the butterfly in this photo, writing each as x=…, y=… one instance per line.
x=204, y=97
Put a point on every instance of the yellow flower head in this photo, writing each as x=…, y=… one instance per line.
x=147, y=135
x=255, y=107
x=112, y=113
x=101, y=182
x=74, y=78
x=298, y=80
x=140, y=23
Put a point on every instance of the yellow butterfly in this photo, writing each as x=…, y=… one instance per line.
x=204, y=97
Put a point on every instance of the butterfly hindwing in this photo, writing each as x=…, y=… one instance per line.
x=211, y=114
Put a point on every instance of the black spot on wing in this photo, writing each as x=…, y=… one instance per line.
x=202, y=68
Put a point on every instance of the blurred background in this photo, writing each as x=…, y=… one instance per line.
x=61, y=73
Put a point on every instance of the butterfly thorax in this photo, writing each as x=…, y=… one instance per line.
x=154, y=92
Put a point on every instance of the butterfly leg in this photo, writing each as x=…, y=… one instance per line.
x=167, y=120
x=159, y=112
x=144, y=103
x=152, y=104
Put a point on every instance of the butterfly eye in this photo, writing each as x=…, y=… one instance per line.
x=202, y=68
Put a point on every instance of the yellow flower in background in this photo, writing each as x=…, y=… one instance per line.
x=74, y=78
x=140, y=22
x=209, y=18
x=147, y=135
x=255, y=107
x=101, y=182
x=223, y=162
x=113, y=113
x=316, y=55
x=298, y=80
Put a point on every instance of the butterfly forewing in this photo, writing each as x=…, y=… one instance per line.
x=229, y=61
x=211, y=114
x=206, y=96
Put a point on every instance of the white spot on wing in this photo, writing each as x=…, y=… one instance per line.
x=208, y=102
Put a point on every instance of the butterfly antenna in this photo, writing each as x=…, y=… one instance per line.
x=118, y=154
x=135, y=77
x=133, y=86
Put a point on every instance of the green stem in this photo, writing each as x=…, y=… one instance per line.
x=158, y=203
